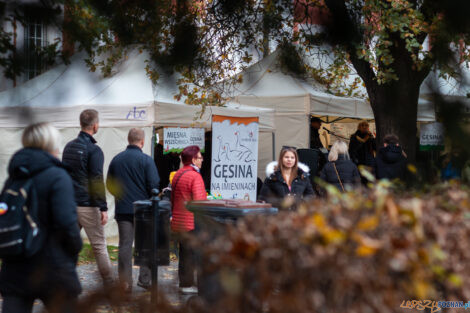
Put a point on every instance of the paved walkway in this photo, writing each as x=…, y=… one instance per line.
x=167, y=278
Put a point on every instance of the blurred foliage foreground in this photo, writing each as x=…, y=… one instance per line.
x=362, y=251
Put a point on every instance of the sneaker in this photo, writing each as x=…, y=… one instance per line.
x=188, y=290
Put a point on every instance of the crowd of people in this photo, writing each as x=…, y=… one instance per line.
x=290, y=178
x=71, y=196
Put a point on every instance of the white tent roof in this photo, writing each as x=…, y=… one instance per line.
x=450, y=88
x=265, y=85
x=183, y=115
x=74, y=84
x=126, y=99
x=60, y=94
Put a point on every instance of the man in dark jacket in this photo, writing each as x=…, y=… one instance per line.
x=131, y=176
x=50, y=274
x=85, y=163
x=315, y=141
x=391, y=160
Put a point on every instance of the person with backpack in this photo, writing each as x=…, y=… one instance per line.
x=131, y=176
x=340, y=171
x=187, y=184
x=45, y=267
x=84, y=160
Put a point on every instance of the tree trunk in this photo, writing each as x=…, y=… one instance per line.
x=395, y=107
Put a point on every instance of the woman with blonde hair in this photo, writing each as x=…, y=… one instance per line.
x=286, y=177
x=340, y=170
x=49, y=274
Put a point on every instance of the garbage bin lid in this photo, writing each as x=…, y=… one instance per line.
x=230, y=208
x=229, y=203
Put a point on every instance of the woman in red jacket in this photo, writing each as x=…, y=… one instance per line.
x=187, y=185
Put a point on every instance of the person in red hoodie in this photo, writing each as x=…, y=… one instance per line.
x=187, y=185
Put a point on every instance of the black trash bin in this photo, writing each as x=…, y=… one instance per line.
x=212, y=216
x=143, y=233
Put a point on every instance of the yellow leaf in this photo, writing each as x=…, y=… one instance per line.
x=368, y=223
x=364, y=251
x=318, y=220
x=455, y=280
x=334, y=236
x=367, y=245
x=412, y=168
x=366, y=172
x=421, y=289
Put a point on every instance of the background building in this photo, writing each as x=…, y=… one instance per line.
x=33, y=30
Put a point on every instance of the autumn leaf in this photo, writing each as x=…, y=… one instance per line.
x=368, y=223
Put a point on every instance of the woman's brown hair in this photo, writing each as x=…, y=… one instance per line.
x=281, y=167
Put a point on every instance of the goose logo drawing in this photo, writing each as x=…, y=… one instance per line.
x=239, y=152
x=234, y=157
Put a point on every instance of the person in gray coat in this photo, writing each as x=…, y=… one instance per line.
x=340, y=171
x=131, y=176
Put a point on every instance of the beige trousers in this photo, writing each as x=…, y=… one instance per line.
x=90, y=219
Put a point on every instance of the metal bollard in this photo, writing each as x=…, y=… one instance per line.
x=154, y=250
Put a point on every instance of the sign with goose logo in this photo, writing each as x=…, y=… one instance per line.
x=234, y=165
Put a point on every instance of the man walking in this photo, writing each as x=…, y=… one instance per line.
x=131, y=176
x=84, y=160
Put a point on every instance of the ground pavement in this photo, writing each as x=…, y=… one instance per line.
x=167, y=278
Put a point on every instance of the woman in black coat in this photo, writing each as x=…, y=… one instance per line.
x=291, y=178
x=340, y=171
x=362, y=146
x=50, y=274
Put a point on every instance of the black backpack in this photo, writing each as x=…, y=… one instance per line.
x=20, y=235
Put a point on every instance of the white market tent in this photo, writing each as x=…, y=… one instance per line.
x=125, y=100
x=450, y=88
x=294, y=100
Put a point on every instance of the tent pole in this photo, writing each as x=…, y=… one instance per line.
x=152, y=147
x=274, y=145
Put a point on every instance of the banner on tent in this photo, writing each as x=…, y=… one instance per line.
x=234, y=164
x=175, y=139
x=431, y=137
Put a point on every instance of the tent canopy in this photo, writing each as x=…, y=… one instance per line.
x=60, y=94
x=183, y=115
x=127, y=99
x=74, y=84
x=265, y=85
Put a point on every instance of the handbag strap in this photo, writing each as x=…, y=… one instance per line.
x=173, y=186
x=339, y=178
